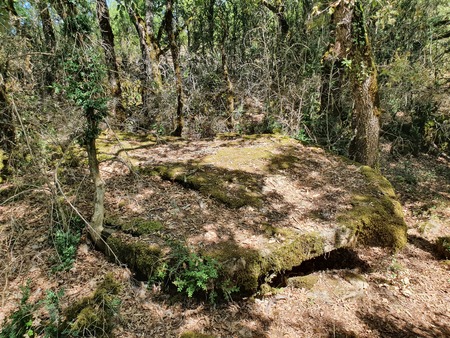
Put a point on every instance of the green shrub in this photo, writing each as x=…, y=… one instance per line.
x=66, y=244
x=52, y=304
x=193, y=274
x=20, y=322
x=65, y=237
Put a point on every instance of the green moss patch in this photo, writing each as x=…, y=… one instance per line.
x=94, y=315
x=443, y=247
x=234, y=188
x=141, y=257
x=376, y=217
x=192, y=334
x=2, y=158
x=136, y=226
x=295, y=249
x=303, y=282
x=240, y=266
x=246, y=267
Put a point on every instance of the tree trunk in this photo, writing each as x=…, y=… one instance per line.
x=151, y=80
x=366, y=115
x=351, y=51
x=7, y=130
x=96, y=225
x=229, y=87
x=50, y=44
x=111, y=61
x=279, y=10
x=211, y=22
x=174, y=49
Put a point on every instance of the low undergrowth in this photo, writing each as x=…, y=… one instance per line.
x=191, y=274
x=91, y=316
x=66, y=241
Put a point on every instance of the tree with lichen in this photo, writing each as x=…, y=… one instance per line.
x=351, y=51
x=83, y=84
x=107, y=36
x=85, y=75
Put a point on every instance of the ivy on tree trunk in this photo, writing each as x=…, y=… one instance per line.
x=351, y=50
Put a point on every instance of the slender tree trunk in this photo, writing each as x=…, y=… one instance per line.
x=50, y=44
x=151, y=80
x=351, y=51
x=211, y=22
x=7, y=130
x=229, y=87
x=111, y=61
x=96, y=225
x=174, y=49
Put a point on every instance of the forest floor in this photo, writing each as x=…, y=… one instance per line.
x=406, y=294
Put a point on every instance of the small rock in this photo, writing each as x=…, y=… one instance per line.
x=83, y=249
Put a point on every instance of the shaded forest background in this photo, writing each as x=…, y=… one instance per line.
x=199, y=67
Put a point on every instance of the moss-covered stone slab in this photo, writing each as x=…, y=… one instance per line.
x=142, y=257
x=303, y=282
x=94, y=315
x=262, y=206
x=136, y=226
x=232, y=188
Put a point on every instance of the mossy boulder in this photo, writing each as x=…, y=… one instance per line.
x=142, y=257
x=294, y=203
x=376, y=217
x=94, y=315
x=443, y=247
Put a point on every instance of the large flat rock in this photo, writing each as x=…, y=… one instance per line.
x=265, y=203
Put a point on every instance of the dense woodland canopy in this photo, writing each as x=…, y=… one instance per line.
x=199, y=67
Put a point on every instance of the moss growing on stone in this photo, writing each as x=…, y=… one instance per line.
x=94, y=315
x=293, y=251
x=141, y=257
x=376, y=217
x=303, y=282
x=240, y=266
x=245, y=267
x=443, y=247
x=233, y=188
x=193, y=334
x=136, y=226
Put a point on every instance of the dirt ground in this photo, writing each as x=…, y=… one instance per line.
x=369, y=293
